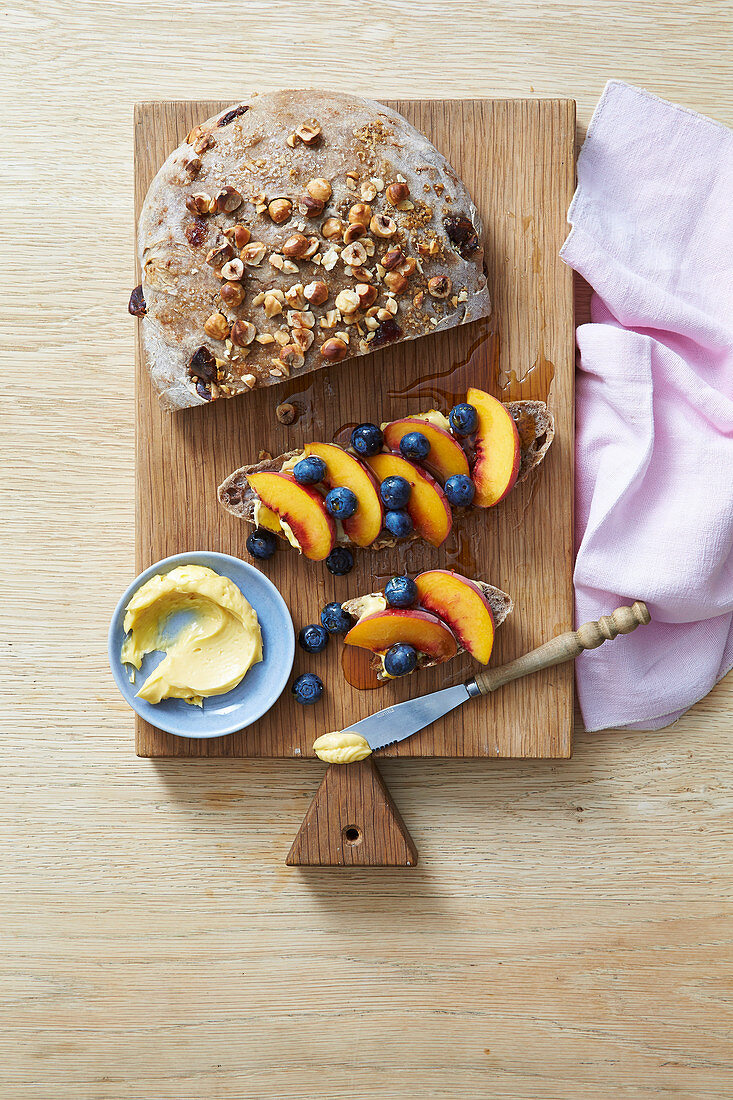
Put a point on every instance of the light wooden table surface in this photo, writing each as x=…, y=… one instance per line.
x=567, y=933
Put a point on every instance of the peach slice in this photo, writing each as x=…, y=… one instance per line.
x=497, y=449
x=446, y=457
x=462, y=605
x=343, y=469
x=429, y=510
x=383, y=629
x=299, y=506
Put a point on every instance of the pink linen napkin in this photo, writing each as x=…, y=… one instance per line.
x=652, y=232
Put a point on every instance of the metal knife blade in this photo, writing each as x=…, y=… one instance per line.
x=401, y=720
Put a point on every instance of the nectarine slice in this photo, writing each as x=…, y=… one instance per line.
x=462, y=605
x=446, y=456
x=343, y=469
x=383, y=629
x=497, y=449
x=429, y=510
x=299, y=506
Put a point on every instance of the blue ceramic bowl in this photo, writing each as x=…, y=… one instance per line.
x=260, y=688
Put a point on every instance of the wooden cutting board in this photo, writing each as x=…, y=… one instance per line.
x=517, y=159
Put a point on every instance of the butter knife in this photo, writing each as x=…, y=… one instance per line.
x=402, y=720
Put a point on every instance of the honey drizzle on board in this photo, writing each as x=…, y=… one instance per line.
x=447, y=387
x=356, y=666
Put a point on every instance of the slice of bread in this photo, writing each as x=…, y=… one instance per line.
x=500, y=602
x=536, y=429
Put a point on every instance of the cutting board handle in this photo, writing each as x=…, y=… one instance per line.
x=566, y=646
x=353, y=822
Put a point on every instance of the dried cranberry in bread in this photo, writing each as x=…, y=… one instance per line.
x=296, y=229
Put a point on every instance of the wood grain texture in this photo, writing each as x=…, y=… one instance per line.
x=352, y=822
x=516, y=158
x=567, y=932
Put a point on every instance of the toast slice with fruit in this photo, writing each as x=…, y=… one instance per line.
x=408, y=479
x=420, y=622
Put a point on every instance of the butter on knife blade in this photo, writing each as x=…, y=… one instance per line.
x=388, y=726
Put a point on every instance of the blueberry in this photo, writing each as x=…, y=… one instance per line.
x=395, y=491
x=308, y=688
x=460, y=490
x=341, y=502
x=309, y=470
x=401, y=592
x=463, y=419
x=335, y=619
x=340, y=561
x=415, y=445
x=400, y=659
x=366, y=440
x=313, y=638
x=398, y=524
x=261, y=543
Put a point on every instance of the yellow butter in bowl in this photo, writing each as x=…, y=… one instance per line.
x=341, y=748
x=212, y=651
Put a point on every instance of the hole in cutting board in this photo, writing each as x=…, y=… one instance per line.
x=352, y=835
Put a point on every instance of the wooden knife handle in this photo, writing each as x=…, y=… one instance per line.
x=566, y=646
